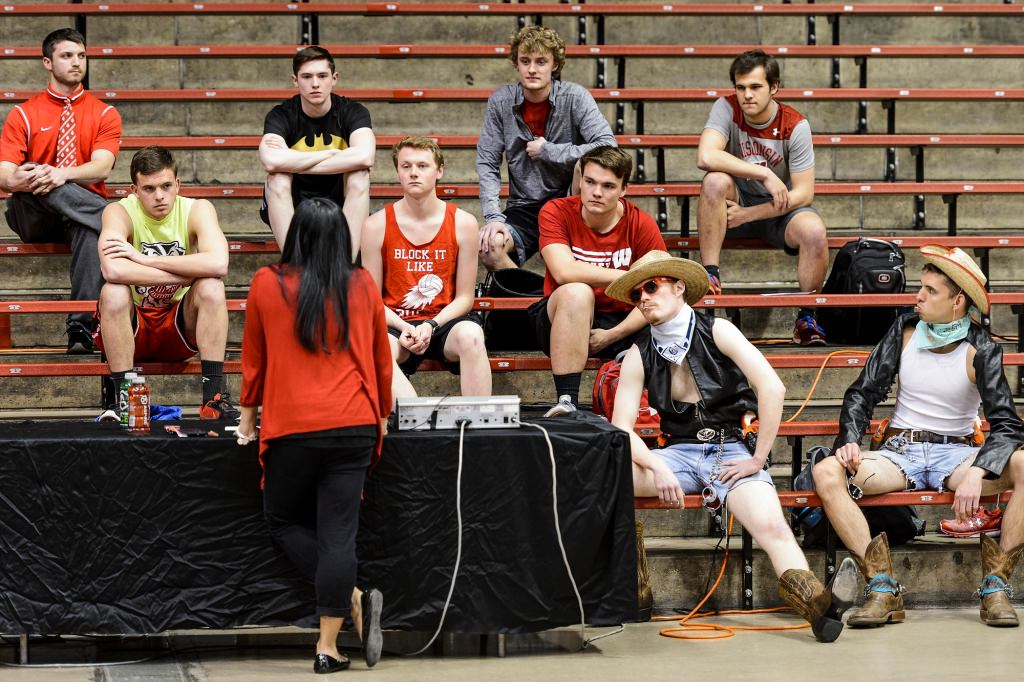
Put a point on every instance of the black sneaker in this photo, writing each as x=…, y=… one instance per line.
x=219, y=407
x=79, y=338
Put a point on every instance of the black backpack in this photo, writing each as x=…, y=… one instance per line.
x=511, y=329
x=864, y=266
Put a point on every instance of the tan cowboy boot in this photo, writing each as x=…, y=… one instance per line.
x=995, y=591
x=884, y=603
x=644, y=595
x=808, y=597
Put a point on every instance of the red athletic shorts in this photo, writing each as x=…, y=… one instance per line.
x=159, y=334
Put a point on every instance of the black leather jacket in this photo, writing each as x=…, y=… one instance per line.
x=882, y=368
x=725, y=394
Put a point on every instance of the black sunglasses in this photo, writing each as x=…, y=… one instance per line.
x=650, y=286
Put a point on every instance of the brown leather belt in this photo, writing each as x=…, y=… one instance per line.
x=916, y=436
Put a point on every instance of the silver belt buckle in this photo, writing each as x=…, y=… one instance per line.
x=706, y=435
x=898, y=443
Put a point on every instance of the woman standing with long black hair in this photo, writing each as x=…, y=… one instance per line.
x=315, y=355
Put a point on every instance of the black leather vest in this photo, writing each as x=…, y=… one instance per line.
x=725, y=395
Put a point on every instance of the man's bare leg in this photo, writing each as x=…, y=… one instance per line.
x=711, y=214
x=280, y=206
x=876, y=475
x=756, y=506
x=1012, y=526
x=571, y=311
x=806, y=232
x=465, y=345
x=401, y=387
x=116, y=308
x=206, y=317
x=999, y=561
x=357, y=206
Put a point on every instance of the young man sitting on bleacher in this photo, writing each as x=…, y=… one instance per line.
x=586, y=241
x=947, y=366
x=759, y=160
x=164, y=259
x=541, y=125
x=56, y=151
x=704, y=378
x=316, y=144
x=421, y=252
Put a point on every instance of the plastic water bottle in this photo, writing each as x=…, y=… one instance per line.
x=138, y=406
x=122, y=397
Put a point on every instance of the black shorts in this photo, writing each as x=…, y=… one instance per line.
x=524, y=229
x=602, y=320
x=771, y=230
x=435, y=349
x=296, y=200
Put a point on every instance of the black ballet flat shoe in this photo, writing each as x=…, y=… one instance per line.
x=372, y=603
x=324, y=664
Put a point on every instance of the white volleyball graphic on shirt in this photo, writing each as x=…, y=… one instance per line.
x=425, y=291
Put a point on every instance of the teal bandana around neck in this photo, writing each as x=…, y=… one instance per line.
x=929, y=335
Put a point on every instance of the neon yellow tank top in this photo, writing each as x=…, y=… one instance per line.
x=165, y=237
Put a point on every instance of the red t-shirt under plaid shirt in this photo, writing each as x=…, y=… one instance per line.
x=636, y=233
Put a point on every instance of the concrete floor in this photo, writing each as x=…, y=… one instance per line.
x=933, y=644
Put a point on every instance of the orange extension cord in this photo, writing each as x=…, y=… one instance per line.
x=685, y=629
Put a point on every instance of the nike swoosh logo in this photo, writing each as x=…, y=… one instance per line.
x=43, y=130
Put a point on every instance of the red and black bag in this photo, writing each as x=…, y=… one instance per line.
x=648, y=423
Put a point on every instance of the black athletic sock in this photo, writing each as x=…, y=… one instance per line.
x=714, y=270
x=811, y=312
x=111, y=387
x=568, y=384
x=213, y=378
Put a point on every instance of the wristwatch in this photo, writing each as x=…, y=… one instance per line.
x=433, y=325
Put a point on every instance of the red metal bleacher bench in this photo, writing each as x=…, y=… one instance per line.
x=683, y=192
x=657, y=143
x=510, y=9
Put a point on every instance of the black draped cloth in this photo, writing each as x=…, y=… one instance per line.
x=110, y=533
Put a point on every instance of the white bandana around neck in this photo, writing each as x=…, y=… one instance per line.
x=672, y=338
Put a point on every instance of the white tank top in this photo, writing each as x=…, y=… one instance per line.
x=934, y=392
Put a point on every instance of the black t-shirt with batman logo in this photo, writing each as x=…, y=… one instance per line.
x=302, y=133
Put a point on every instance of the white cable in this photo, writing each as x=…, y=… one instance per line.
x=558, y=534
x=458, y=550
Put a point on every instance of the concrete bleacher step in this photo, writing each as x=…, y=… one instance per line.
x=937, y=571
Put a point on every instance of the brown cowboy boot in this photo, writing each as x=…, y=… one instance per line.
x=808, y=597
x=644, y=595
x=995, y=591
x=884, y=602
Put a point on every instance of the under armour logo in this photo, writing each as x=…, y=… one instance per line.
x=775, y=132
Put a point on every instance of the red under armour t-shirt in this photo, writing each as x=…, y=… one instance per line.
x=636, y=233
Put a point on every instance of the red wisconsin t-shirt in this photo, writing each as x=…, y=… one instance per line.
x=636, y=233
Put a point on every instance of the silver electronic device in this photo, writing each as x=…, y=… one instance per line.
x=479, y=412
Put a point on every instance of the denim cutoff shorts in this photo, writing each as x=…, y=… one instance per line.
x=693, y=464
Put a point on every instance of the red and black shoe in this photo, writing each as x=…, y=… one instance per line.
x=715, y=287
x=219, y=407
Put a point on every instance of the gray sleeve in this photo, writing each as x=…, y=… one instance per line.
x=801, y=148
x=490, y=148
x=592, y=126
x=720, y=118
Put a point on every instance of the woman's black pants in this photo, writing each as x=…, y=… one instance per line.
x=311, y=500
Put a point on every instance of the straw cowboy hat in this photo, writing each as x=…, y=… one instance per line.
x=661, y=264
x=962, y=269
